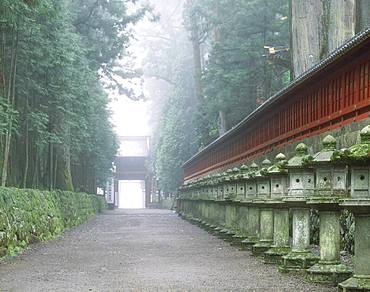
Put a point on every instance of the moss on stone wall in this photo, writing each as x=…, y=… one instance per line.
x=28, y=216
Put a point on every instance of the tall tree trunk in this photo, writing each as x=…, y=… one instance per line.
x=196, y=53
x=11, y=103
x=36, y=169
x=25, y=175
x=64, y=175
x=306, y=34
x=363, y=14
x=222, y=129
x=318, y=27
x=342, y=22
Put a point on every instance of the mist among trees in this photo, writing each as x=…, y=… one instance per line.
x=207, y=64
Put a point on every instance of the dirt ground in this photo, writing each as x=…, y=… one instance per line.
x=142, y=250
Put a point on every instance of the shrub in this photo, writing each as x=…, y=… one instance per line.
x=28, y=216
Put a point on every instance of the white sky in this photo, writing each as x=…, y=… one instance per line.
x=130, y=118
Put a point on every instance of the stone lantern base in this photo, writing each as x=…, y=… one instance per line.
x=275, y=253
x=297, y=261
x=225, y=234
x=261, y=247
x=354, y=284
x=237, y=239
x=328, y=273
x=217, y=230
x=249, y=242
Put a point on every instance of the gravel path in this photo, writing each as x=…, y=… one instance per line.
x=141, y=250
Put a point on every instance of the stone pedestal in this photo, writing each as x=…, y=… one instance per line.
x=361, y=279
x=252, y=227
x=230, y=213
x=220, y=216
x=300, y=258
x=280, y=246
x=266, y=232
x=241, y=233
x=329, y=269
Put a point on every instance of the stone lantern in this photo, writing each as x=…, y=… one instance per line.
x=301, y=186
x=242, y=211
x=263, y=181
x=278, y=174
x=230, y=207
x=251, y=184
x=266, y=213
x=209, y=186
x=358, y=159
x=279, y=177
x=213, y=205
x=301, y=177
x=230, y=184
x=220, y=207
x=204, y=204
x=226, y=183
x=220, y=193
x=215, y=183
x=253, y=217
x=240, y=183
x=330, y=187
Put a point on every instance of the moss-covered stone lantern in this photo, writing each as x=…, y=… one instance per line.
x=242, y=211
x=330, y=186
x=215, y=180
x=250, y=183
x=240, y=182
x=225, y=185
x=266, y=228
x=230, y=209
x=358, y=159
x=233, y=191
x=220, y=192
x=263, y=181
x=301, y=186
x=279, y=189
x=228, y=184
x=253, y=217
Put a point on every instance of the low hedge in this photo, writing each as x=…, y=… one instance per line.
x=28, y=216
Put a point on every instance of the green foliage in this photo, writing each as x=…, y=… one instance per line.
x=28, y=216
x=314, y=226
x=178, y=140
x=347, y=222
x=237, y=75
x=53, y=108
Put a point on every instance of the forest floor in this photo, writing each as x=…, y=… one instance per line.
x=142, y=250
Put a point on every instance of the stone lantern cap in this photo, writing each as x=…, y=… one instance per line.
x=325, y=155
x=229, y=174
x=262, y=173
x=223, y=177
x=253, y=169
x=235, y=173
x=214, y=179
x=280, y=165
x=242, y=171
x=218, y=178
x=358, y=153
x=299, y=160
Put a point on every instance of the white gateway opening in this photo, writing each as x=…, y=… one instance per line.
x=131, y=194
